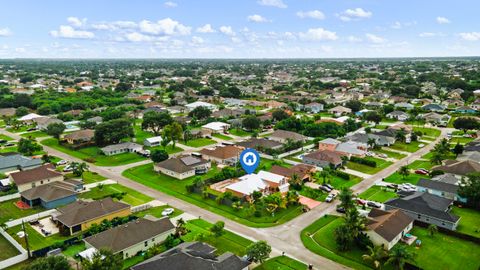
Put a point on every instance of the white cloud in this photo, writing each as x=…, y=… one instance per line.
x=354, y=14
x=313, y=14
x=66, y=31
x=470, y=36
x=354, y=39
x=400, y=25
x=170, y=4
x=396, y=25
x=76, y=22
x=207, y=28
x=111, y=26
x=227, y=30
x=318, y=34
x=164, y=27
x=442, y=20
x=138, y=37
x=197, y=40
x=375, y=39
x=5, y=32
x=272, y=3
x=256, y=18
x=20, y=50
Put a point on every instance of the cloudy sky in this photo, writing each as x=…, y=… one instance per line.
x=239, y=28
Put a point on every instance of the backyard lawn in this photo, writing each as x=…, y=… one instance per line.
x=9, y=211
x=170, y=149
x=35, y=239
x=381, y=164
x=378, y=194
x=406, y=147
x=469, y=222
x=131, y=197
x=145, y=175
x=390, y=154
x=200, y=142
x=412, y=178
x=239, y=132
x=8, y=250
x=93, y=152
x=281, y=263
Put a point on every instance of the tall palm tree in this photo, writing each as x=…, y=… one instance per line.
x=436, y=158
x=376, y=255
x=295, y=179
x=354, y=222
x=398, y=256
x=372, y=143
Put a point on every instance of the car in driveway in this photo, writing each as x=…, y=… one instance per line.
x=62, y=162
x=329, y=186
x=421, y=171
x=167, y=211
x=329, y=198
x=340, y=210
x=374, y=204
x=325, y=188
x=68, y=168
x=360, y=201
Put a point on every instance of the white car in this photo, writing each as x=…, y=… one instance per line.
x=68, y=169
x=421, y=145
x=329, y=198
x=167, y=212
x=62, y=162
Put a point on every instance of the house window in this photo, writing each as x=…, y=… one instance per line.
x=419, y=216
x=146, y=243
x=41, y=182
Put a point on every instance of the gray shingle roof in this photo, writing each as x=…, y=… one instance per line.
x=18, y=160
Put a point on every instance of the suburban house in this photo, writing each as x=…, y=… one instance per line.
x=260, y=144
x=216, y=127
x=314, y=107
x=398, y=115
x=133, y=237
x=404, y=105
x=386, y=228
x=53, y=194
x=465, y=109
x=432, y=107
x=340, y=110
x=80, y=136
x=444, y=185
x=263, y=181
x=471, y=151
x=435, y=118
x=364, y=138
x=462, y=167
x=192, y=106
x=227, y=155
x=30, y=117
x=126, y=147
x=349, y=148
x=43, y=122
x=193, y=256
x=15, y=162
x=427, y=208
x=7, y=111
x=183, y=167
x=323, y=158
x=282, y=136
x=35, y=177
x=80, y=215
x=302, y=171
x=153, y=141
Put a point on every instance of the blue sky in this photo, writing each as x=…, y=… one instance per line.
x=239, y=28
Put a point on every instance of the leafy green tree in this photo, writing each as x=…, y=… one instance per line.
x=372, y=116
x=354, y=105
x=251, y=122
x=180, y=228
x=21, y=111
x=155, y=121
x=466, y=123
x=398, y=256
x=376, y=256
x=259, y=251
x=343, y=237
x=458, y=149
x=28, y=146
x=55, y=129
x=123, y=87
x=279, y=115
x=346, y=198
x=218, y=229
x=436, y=157
x=469, y=188
x=113, y=131
x=173, y=132
x=400, y=136
x=79, y=168
x=158, y=155
x=200, y=112
x=49, y=263
x=103, y=259
x=432, y=229
x=404, y=171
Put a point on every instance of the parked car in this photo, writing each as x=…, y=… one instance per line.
x=68, y=168
x=340, y=209
x=329, y=186
x=329, y=198
x=360, y=201
x=421, y=145
x=382, y=155
x=324, y=188
x=374, y=204
x=421, y=171
x=3, y=141
x=167, y=211
x=9, y=144
x=62, y=162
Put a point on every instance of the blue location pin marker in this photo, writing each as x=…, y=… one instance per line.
x=249, y=159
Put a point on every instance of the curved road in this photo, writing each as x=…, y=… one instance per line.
x=282, y=238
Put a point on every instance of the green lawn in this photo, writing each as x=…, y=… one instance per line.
x=92, y=177
x=399, y=179
x=20, y=266
x=222, y=137
x=314, y=194
x=35, y=239
x=431, y=132
x=281, y=263
x=20, y=129
x=8, y=250
x=5, y=137
x=141, y=135
x=9, y=211
x=406, y=147
x=157, y=211
x=200, y=142
x=131, y=197
x=443, y=252
x=390, y=154
x=381, y=164
x=239, y=132
x=228, y=242
x=34, y=134
x=460, y=140
x=420, y=164
x=73, y=250
x=145, y=175
x=318, y=238
x=469, y=222
x=170, y=149
x=95, y=153
x=337, y=182
x=378, y=194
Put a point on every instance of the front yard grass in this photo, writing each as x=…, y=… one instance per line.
x=222, y=137
x=200, y=142
x=420, y=164
x=95, y=153
x=378, y=194
x=390, y=154
x=157, y=212
x=281, y=263
x=5, y=137
x=131, y=197
x=8, y=250
x=406, y=147
x=469, y=221
x=431, y=132
x=169, y=148
x=399, y=179
x=34, y=134
x=381, y=164
x=338, y=182
x=9, y=211
x=239, y=132
x=92, y=177
x=145, y=175
x=460, y=140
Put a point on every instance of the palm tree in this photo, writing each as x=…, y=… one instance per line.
x=436, y=157
x=295, y=179
x=372, y=143
x=79, y=168
x=432, y=229
x=400, y=135
x=404, y=171
x=398, y=256
x=180, y=229
x=346, y=198
x=354, y=222
x=377, y=255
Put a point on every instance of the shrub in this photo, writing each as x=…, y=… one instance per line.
x=342, y=175
x=363, y=161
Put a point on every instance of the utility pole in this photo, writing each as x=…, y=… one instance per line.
x=26, y=239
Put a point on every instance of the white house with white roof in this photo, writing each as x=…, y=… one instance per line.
x=192, y=106
x=216, y=127
x=263, y=181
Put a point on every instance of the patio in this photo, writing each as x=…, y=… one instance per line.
x=409, y=239
x=45, y=227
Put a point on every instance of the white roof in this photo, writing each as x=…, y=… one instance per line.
x=271, y=177
x=5, y=182
x=88, y=253
x=199, y=104
x=342, y=119
x=248, y=184
x=30, y=116
x=220, y=126
x=154, y=139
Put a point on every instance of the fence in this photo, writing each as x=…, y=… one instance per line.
x=10, y=197
x=141, y=208
x=16, y=259
x=30, y=218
